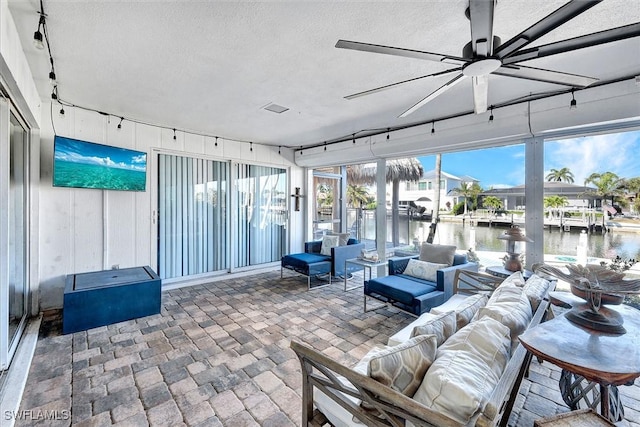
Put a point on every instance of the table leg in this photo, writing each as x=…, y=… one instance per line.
x=604, y=401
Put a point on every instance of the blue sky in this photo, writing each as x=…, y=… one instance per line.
x=504, y=166
x=72, y=150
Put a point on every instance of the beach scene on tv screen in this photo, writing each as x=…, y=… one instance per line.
x=84, y=164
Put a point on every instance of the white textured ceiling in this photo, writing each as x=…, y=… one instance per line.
x=210, y=67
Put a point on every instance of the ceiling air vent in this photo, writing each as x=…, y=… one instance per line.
x=275, y=108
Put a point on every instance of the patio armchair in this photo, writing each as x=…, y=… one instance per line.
x=417, y=295
x=312, y=263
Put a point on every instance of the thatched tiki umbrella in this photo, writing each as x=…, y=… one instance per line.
x=409, y=169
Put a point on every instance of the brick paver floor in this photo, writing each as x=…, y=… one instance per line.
x=218, y=354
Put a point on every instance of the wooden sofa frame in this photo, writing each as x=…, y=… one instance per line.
x=320, y=371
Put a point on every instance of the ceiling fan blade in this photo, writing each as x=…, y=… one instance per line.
x=398, y=51
x=448, y=85
x=480, y=85
x=544, y=26
x=381, y=88
x=481, y=17
x=588, y=40
x=548, y=76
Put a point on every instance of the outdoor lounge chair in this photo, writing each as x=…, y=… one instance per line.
x=312, y=262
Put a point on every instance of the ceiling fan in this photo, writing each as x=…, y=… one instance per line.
x=485, y=55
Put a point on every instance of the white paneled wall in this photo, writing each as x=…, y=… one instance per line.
x=87, y=230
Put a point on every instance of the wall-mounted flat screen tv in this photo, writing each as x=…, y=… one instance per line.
x=82, y=164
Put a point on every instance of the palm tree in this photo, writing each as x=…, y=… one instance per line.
x=470, y=192
x=436, y=201
x=632, y=187
x=492, y=203
x=555, y=202
x=357, y=195
x=563, y=174
x=608, y=184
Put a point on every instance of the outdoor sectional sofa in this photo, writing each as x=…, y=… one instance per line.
x=417, y=295
x=458, y=366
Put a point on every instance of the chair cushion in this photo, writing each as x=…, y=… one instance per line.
x=440, y=254
x=467, y=368
x=423, y=269
x=442, y=326
x=510, y=306
x=303, y=260
x=343, y=238
x=328, y=242
x=399, y=288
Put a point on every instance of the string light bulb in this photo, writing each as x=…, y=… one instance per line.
x=279, y=149
x=354, y=138
x=120, y=124
x=325, y=146
x=250, y=146
x=433, y=128
x=174, y=134
x=573, y=104
x=388, y=130
x=54, y=93
x=61, y=110
x=38, y=39
x=491, y=115
x=216, y=143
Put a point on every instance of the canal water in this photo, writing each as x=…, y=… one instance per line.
x=608, y=245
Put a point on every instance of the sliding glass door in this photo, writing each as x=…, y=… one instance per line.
x=217, y=216
x=260, y=214
x=192, y=216
x=14, y=290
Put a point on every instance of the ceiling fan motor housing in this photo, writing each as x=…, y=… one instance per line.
x=467, y=50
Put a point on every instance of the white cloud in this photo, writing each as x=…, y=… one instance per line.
x=615, y=153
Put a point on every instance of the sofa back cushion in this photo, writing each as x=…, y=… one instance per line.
x=400, y=367
x=442, y=326
x=466, y=370
x=535, y=289
x=423, y=269
x=510, y=306
x=468, y=309
x=440, y=254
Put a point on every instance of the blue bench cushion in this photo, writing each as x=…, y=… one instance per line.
x=400, y=288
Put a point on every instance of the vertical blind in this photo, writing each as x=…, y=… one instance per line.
x=192, y=221
x=261, y=212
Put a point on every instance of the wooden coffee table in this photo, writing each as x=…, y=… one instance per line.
x=606, y=359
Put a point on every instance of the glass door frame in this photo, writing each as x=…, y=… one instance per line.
x=341, y=204
x=9, y=344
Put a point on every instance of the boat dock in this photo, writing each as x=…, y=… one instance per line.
x=586, y=222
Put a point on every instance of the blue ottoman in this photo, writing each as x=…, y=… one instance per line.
x=308, y=264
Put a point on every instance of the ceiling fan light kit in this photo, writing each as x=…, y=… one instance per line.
x=484, y=55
